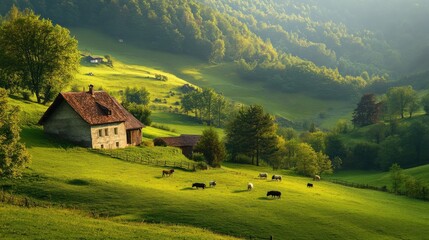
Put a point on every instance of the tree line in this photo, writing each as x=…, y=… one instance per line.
x=189, y=27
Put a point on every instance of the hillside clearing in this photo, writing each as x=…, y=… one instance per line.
x=134, y=193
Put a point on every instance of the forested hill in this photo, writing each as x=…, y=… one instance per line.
x=289, y=46
x=355, y=36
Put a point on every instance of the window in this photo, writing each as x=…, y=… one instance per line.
x=117, y=144
x=102, y=146
x=115, y=130
x=106, y=132
x=100, y=132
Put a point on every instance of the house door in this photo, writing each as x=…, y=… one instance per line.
x=128, y=137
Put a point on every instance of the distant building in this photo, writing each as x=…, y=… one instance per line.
x=92, y=119
x=184, y=142
x=95, y=59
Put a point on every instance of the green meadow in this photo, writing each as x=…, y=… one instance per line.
x=379, y=179
x=128, y=70
x=86, y=195
x=121, y=195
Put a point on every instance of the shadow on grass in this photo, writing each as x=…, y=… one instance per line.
x=240, y=191
x=267, y=198
x=78, y=182
x=188, y=188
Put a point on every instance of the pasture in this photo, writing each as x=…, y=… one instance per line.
x=379, y=179
x=222, y=77
x=130, y=193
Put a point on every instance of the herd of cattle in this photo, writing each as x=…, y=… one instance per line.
x=271, y=193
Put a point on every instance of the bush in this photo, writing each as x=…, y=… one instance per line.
x=198, y=157
x=202, y=166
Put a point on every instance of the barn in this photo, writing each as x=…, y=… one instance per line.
x=185, y=142
x=92, y=119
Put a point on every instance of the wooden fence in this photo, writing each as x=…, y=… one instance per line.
x=146, y=161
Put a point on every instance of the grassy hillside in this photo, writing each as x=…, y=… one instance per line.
x=179, y=69
x=380, y=179
x=52, y=223
x=132, y=193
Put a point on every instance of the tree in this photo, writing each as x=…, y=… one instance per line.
x=306, y=160
x=365, y=155
x=13, y=154
x=211, y=147
x=44, y=56
x=253, y=133
x=425, y=103
x=138, y=96
x=315, y=139
x=400, y=100
x=335, y=147
x=141, y=112
x=397, y=177
x=367, y=111
x=390, y=151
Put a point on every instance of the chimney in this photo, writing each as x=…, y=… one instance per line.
x=91, y=90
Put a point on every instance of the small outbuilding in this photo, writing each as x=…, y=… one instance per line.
x=185, y=142
x=92, y=119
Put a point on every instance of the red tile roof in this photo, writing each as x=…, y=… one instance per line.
x=97, y=108
x=181, y=141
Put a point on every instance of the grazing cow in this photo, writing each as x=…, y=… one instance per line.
x=276, y=177
x=309, y=185
x=316, y=178
x=274, y=194
x=249, y=186
x=212, y=183
x=199, y=185
x=167, y=172
x=263, y=175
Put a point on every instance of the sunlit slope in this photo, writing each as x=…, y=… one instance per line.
x=222, y=77
x=54, y=223
x=131, y=192
x=381, y=178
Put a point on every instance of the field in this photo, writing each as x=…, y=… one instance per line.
x=380, y=179
x=179, y=69
x=123, y=194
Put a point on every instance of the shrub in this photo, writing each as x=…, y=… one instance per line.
x=202, y=166
x=198, y=157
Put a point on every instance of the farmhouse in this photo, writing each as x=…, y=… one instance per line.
x=95, y=59
x=184, y=142
x=92, y=119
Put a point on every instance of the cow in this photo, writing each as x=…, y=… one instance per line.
x=199, y=185
x=212, y=183
x=167, y=172
x=316, y=178
x=274, y=194
x=249, y=186
x=276, y=177
x=309, y=185
x=263, y=175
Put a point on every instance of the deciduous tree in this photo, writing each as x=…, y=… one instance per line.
x=13, y=154
x=43, y=55
x=401, y=100
x=367, y=111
